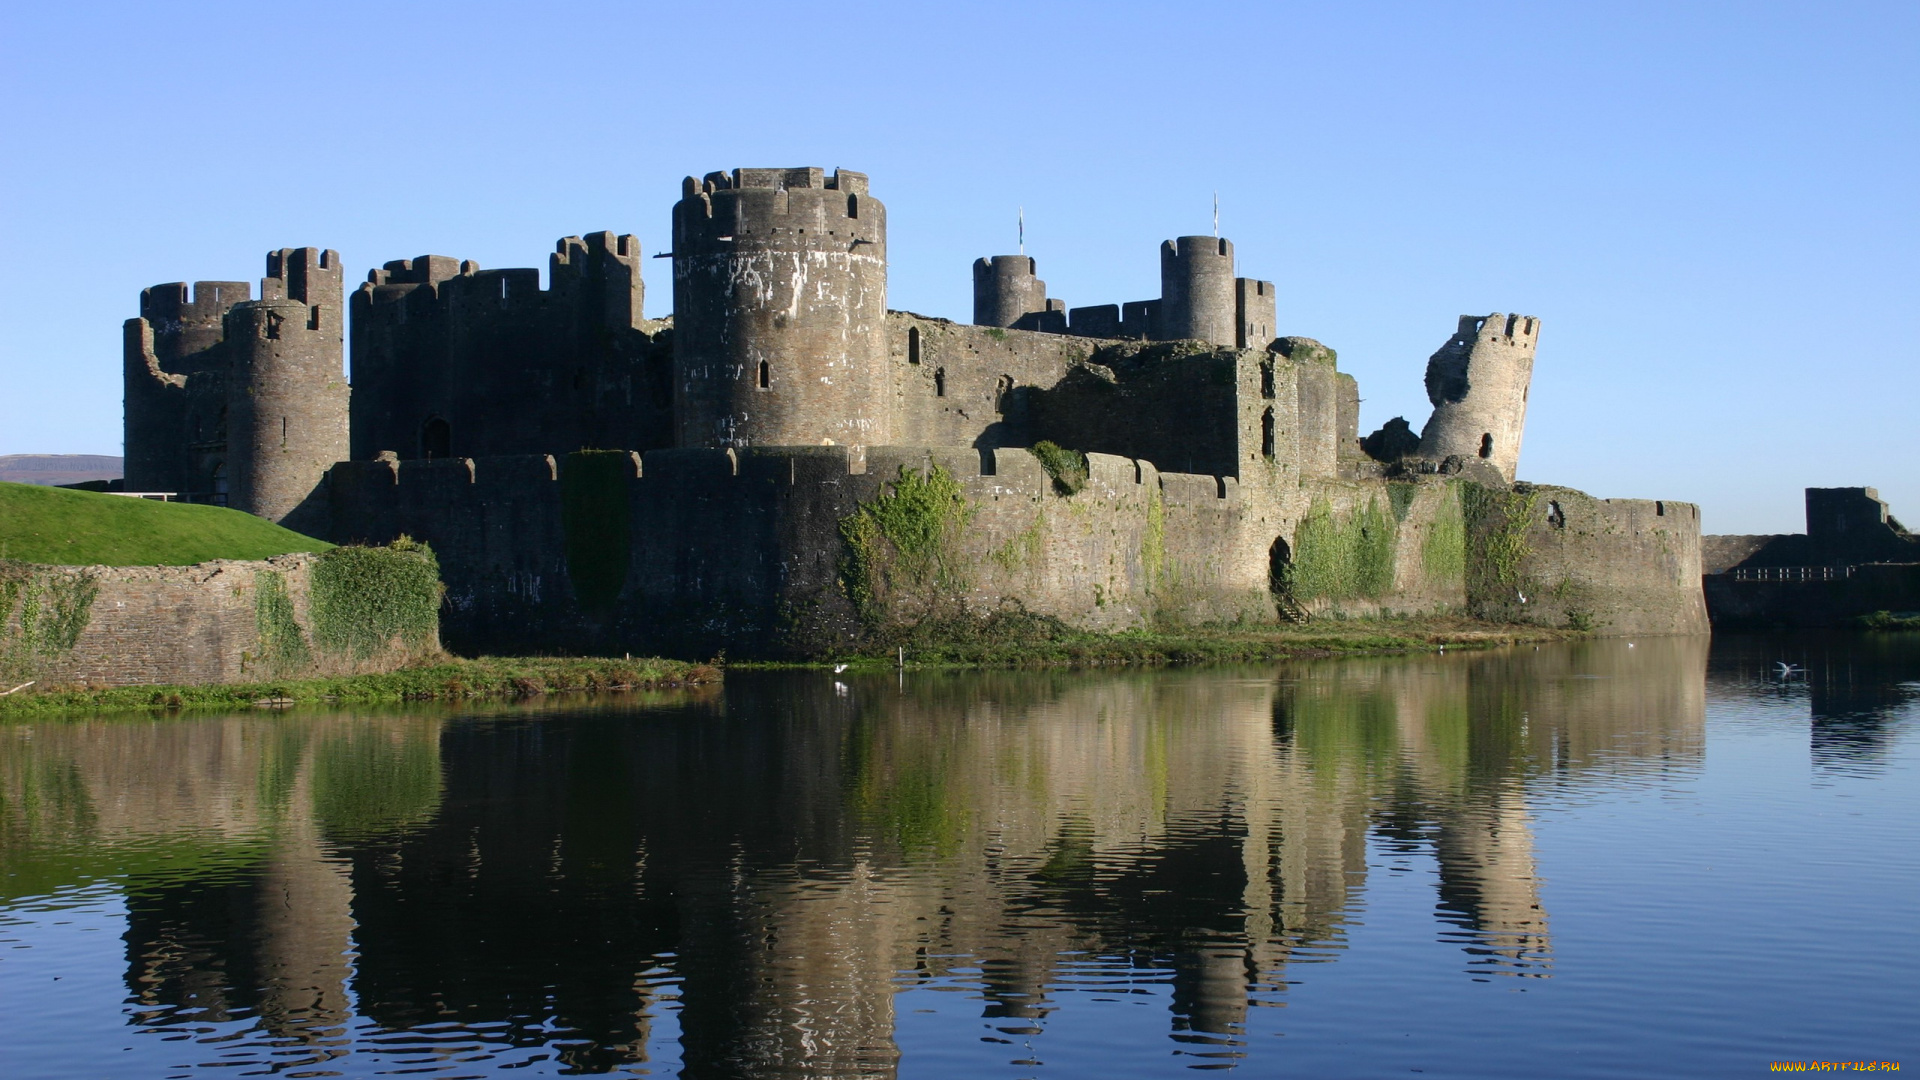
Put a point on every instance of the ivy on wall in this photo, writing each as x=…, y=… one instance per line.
x=1496, y=526
x=1343, y=558
x=593, y=514
x=903, y=543
x=283, y=645
x=1067, y=467
x=365, y=599
x=42, y=614
x=1443, y=553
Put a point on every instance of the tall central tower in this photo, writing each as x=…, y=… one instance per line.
x=779, y=310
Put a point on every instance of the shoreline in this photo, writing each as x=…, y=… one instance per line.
x=449, y=679
x=508, y=678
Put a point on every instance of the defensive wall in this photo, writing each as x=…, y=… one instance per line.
x=1559, y=557
x=697, y=550
x=224, y=621
x=452, y=360
x=1854, y=559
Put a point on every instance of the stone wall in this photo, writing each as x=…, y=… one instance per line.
x=182, y=625
x=1616, y=566
x=224, y=621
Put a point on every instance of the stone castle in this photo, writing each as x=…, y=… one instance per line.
x=594, y=479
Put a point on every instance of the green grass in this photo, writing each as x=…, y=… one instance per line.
x=446, y=680
x=84, y=528
x=1030, y=641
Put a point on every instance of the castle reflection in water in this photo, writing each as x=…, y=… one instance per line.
x=774, y=862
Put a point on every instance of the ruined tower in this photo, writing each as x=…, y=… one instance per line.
x=1478, y=385
x=1197, y=290
x=779, y=306
x=174, y=405
x=286, y=387
x=1005, y=291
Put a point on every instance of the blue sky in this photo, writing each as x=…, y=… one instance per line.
x=1711, y=206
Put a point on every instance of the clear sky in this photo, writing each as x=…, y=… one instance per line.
x=1711, y=206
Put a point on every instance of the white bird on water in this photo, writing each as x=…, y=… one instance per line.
x=838, y=668
x=1786, y=670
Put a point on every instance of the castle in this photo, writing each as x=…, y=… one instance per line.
x=736, y=475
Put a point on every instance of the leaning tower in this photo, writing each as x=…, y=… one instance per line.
x=1478, y=385
x=287, y=389
x=779, y=310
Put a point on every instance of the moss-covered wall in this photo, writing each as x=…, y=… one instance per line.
x=350, y=609
x=1560, y=557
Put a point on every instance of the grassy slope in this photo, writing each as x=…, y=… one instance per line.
x=81, y=528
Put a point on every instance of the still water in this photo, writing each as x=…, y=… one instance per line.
x=1595, y=859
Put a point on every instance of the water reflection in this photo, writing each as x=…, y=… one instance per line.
x=744, y=884
x=1857, y=690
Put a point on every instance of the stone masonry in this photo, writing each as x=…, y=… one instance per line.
x=1227, y=477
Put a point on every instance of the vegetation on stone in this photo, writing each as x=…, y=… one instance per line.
x=593, y=513
x=84, y=528
x=1344, y=557
x=442, y=679
x=1497, y=523
x=366, y=598
x=1067, y=467
x=901, y=545
x=41, y=615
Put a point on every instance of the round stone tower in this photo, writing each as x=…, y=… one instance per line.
x=1478, y=384
x=779, y=310
x=286, y=391
x=1197, y=300
x=1004, y=289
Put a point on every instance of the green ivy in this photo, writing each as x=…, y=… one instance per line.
x=1344, y=559
x=366, y=598
x=593, y=513
x=283, y=645
x=903, y=540
x=1497, y=523
x=1153, y=545
x=1444, y=551
x=42, y=615
x=1067, y=467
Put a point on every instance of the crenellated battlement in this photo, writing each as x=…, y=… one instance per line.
x=205, y=302
x=1499, y=328
x=308, y=275
x=780, y=207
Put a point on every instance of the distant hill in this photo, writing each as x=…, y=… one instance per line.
x=58, y=468
x=82, y=528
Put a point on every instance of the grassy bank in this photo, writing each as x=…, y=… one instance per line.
x=451, y=680
x=1036, y=643
x=85, y=528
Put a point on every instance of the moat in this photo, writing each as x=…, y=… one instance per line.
x=1653, y=856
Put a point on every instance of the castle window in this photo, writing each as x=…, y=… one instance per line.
x=1486, y=445
x=913, y=344
x=1660, y=509
x=273, y=325
x=1556, y=517
x=765, y=380
x=1266, y=380
x=940, y=382
x=436, y=439
x=1266, y=434
x=853, y=206
x=313, y=318
x=283, y=433
x=219, y=484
